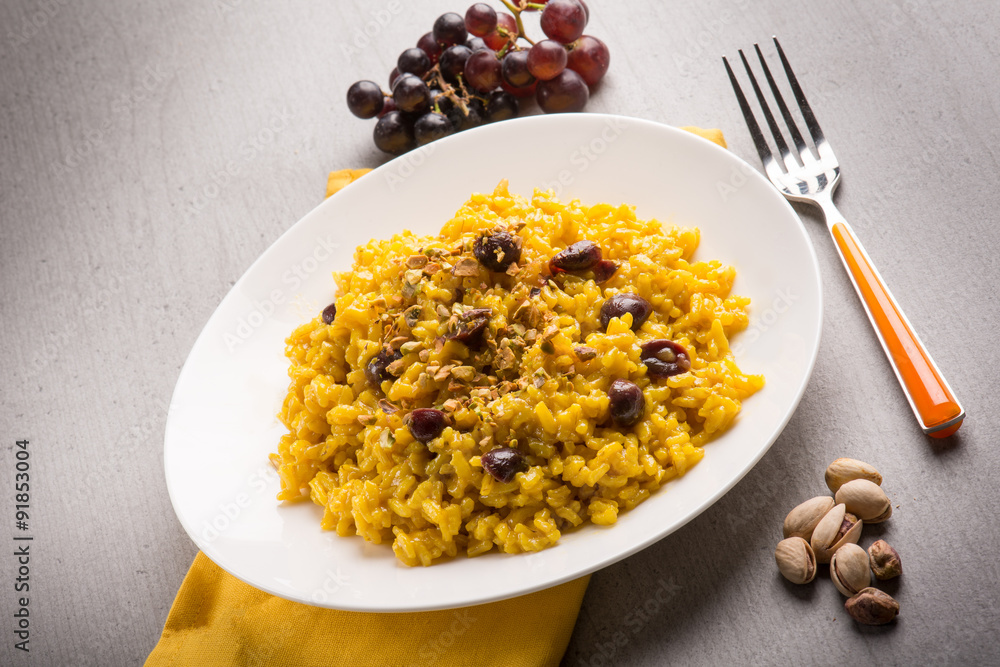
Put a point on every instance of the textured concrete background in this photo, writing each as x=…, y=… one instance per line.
x=118, y=240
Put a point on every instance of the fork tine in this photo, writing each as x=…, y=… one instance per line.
x=763, y=150
x=800, y=143
x=769, y=117
x=814, y=129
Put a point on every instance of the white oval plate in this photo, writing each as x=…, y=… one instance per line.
x=222, y=425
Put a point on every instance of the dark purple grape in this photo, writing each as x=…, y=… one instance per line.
x=414, y=61
x=501, y=105
x=476, y=44
x=567, y=92
x=411, y=94
x=480, y=19
x=376, y=372
x=626, y=302
x=430, y=127
x=393, y=77
x=664, y=358
x=580, y=256
x=475, y=117
x=452, y=62
x=472, y=326
x=589, y=58
x=329, y=313
x=497, y=251
x=626, y=402
x=394, y=133
x=514, y=69
x=425, y=424
x=604, y=270
x=365, y=99
x=429, y=45
x=449, y=29
x=497, y=40
x=546, y=59
x=564, y=20
x=482, y=71
x=503, y=463
x=389, y=105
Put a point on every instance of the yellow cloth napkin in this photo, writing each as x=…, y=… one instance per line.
x=217, y=620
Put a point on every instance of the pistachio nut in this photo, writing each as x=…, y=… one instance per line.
x=884, y=561
x=802, y=520
x=843, y=470
x=849, y=569
x=872, y=607
x=866, y=499
x=796, y=560
x=833, y=531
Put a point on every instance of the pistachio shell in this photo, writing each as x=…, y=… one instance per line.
x=802, y=520
x=849, y=569
x=833, y=531
x=884, y=560
x=865, y=499
x=872, y=607
x=843, y=470
x=796, y=560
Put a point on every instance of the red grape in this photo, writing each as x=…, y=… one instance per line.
x=566, y=92
x=547, y=59
x=453, y=62
x=429, y=45
x=564, y=20
x=515, y=69
x=589, y=57
x=526, y=91
x=365, y=99
x=393, y=75
x=494, y=39
x=482, y=71
x=480, y=19
x=449, y=29
x=394, y=133
x=414, y=61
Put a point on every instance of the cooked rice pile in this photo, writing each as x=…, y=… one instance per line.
x=349, y=449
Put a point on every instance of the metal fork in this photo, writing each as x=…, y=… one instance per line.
x=803, y=176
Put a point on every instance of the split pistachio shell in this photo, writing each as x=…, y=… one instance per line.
x=872, y=607
x=842, y=471
x=849, y=569
x=866, y=500
x=797, y=561
x=802, y=520
x=884, y=561
x=834, y=530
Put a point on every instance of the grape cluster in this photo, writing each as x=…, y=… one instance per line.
x=473, y=70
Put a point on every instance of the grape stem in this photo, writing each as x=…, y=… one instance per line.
x=516, y=11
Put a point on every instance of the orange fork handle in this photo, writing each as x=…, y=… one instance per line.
x=932, y=400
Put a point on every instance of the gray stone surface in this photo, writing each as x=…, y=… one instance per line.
x=118, y=240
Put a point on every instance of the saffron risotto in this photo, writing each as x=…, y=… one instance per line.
x=536, y=381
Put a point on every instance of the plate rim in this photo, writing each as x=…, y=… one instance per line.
x=346, y=604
